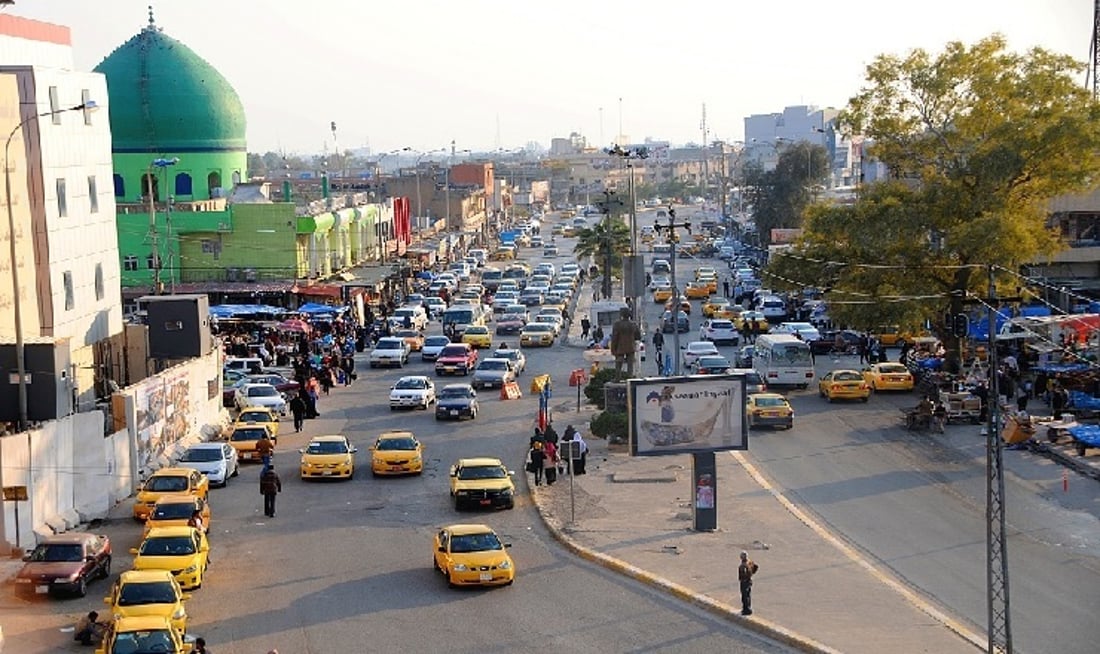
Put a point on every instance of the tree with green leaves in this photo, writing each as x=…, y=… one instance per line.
x=779, y=197
x=605, y=243
x=977, y=140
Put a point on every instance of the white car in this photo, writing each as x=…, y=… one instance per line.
x=695, y=349
x=390, y=351
x=217, y=460
x=418, y=317
x=503, y=299
x=718, y=330
x=554, y=319
x=804, y=330
x=493, y=373
x=414, y=391
x=264, y=395
x=773, y=308
x=433, y=345
x=659, y=281
x=515, y=355
x=437, y=304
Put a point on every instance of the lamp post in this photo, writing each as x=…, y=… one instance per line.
x=162, y=164
x=17, y=308
x=673, y=239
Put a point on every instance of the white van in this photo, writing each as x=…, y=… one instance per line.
x=783, y=360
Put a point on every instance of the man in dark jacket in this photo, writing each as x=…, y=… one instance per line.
x=270, y=485
x=298, y=410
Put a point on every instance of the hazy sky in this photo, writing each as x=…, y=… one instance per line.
x=500, y=73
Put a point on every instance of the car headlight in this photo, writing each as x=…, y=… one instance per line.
x=179, y=613
x=188, y=570
x=347, y=461
x=462, y=492
x=505, y=565
x=415, y=459
x=506, y=491
x=73, y=577
x=460, y=567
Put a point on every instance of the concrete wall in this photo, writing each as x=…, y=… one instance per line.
x=75, y=473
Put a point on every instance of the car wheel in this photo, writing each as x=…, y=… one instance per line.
x=105, y=571
x=865, y=398
x=82, y=587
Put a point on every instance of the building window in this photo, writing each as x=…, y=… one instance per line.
x=99, y=281
x=236, y=177
x=93, y=194
x=214, y=184
x=183, y=184
x=151, y=261
x=120, y=186
x=85, y=98
x=62, y=202
x=67, y=282
x=207, y=246
x=130, y=263
x=55, y=109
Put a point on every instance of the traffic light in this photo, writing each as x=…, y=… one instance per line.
x=960, y=325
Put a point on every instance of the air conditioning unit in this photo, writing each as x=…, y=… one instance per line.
x=232, y=274
x=249, y=274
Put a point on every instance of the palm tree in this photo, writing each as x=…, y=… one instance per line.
x=605, y=243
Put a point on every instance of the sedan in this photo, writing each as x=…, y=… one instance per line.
x=719, y=330
x=766, y=409
x=414, y=391
x=433, y=345
x=149, y=593
x=261, y=395
x=537, y=334
x=478, y=336
x=413, y=338
x=493, y=373
x=456, y=401
x=472, y=555
x=397, y=453
x=511, y=323
x=744, y=356
x=554, y=319
x=218, y=461
x=255, y=416
x=183, y=550
x=694, y=350
x=516, y=356
x=390, y=351
x=712, y=365
x=682, y=325
x=843, y=384
x=64, y=563
x=888, y=377
x=327, y=457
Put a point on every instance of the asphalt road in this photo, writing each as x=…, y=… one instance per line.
x=345, y=566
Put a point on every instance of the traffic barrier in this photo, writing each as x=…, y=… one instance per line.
x=510, y=391
x=577, y=377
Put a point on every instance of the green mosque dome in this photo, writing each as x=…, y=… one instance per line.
x=164, y=98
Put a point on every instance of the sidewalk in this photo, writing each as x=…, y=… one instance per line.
x=813, y=591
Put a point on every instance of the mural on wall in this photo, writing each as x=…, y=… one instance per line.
x=163, y=415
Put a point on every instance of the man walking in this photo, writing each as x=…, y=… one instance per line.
x=586, y=325
x=298, y=410
x=270, y=485
x=745, y=572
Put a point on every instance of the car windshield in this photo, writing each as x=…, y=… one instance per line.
x=794, y=354
x=453, y=352
x=160, y=592
x=143, y=642
x=474, y=543
x=454, y=393
x=714, y=362
x=413, y=383
x=482, y=472
x=847, y=376
x=247, y=434
x=166, y=484
x=201, y=455
x=327, y=447
x=477, y=330
x=547, y=318
x=721, y=324
x=396, y=444
x=892, y=368
x=262, y=391
x=174, y=511
x=389, y=344
x=407, y=333
x=167, y=546
x=436, y=341
x=770, y=401
x=254, y=416
x=539, y=327
x=489, y=364
x=58, y=553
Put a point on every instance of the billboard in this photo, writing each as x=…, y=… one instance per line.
x=678, y=415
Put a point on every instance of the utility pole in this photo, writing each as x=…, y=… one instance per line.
x=706, y=170
x=673, y=238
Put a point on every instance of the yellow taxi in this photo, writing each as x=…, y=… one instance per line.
x=685, y=306
x=537, y=334
x=888, y=377
x=413, y=338
x=662, y=294
x=168, y=480
x=182, y=550
x=244, y=438
x=710, y=280
x=472, y=555
x=769, y=409
x=141, y=593
x=714, y=305
x=569, y=231
x=502, y=253
x=148, y=633
x=478, y=336
x=753, y=317
x=893, y=335
x=482, y=482
x=844, y=385
x=259, y=416
x=697, y=291
x=397, y=453
x=328, y=457
x=175, y=509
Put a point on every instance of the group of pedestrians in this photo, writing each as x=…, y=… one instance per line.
x=544, y=456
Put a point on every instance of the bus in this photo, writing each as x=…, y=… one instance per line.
x=783, y=360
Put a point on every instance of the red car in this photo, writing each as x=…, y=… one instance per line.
x=456, y=358
x=64, y=563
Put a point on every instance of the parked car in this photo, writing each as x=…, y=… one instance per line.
x=413, y=391
x=456, y=401
x=262, y=395
x=64, y=564
x=216, y=459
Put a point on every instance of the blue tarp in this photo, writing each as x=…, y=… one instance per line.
x=1055, y=368
x=1080, y=400
x=1088, y=434
x=228, y=311
x=1035, y=310
x=314, y=309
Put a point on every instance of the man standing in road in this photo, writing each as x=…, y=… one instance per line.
x=745, y=573
x=298, y=410
x=270, y=485
x=264, y=447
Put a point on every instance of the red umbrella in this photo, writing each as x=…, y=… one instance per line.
x=294, y=325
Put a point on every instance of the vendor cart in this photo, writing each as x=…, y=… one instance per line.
x=961, y=404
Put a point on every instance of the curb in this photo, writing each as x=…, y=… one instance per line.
x=1073, y=463
x=720, y=609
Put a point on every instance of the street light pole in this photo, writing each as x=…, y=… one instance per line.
x=673, y=238
x=16, y=302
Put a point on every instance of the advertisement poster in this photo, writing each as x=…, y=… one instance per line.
x=163, y=416
x=677, y=415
